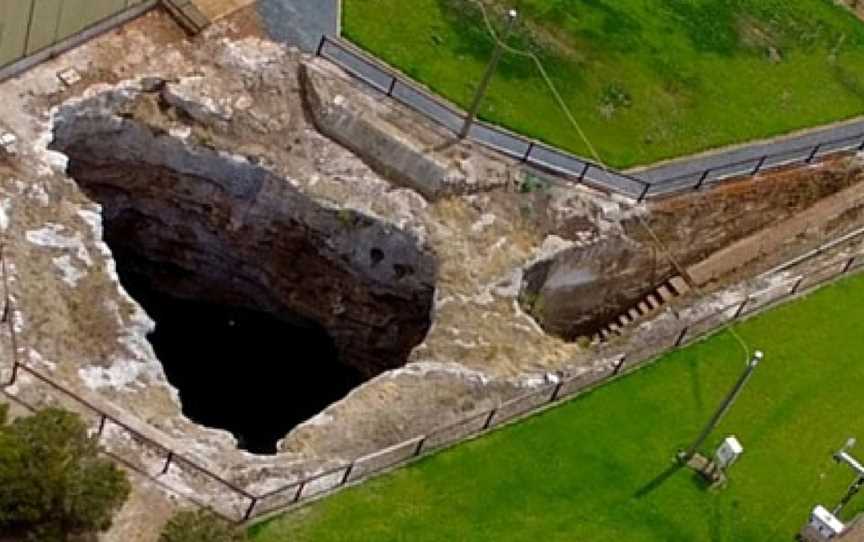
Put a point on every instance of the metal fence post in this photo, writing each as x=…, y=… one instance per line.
x=681, y=336
x=347, y=474
x=167, y=462
x=556, y=392
x=644, y=193
x=14, y=373
x=419, y=447
x=813, y=154
x=740, y=310
x=489, y=419
x=248, y=513
x=392, y=86
x=759, y=165
x=300, y=491
x=528, y=152
x=584, y=172
x=102, y=421
x=619, y=365
x=702, y=179
x=796, y=286
x=321, y=45
x=848, y=265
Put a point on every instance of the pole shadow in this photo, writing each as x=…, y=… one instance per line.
x=658, y=481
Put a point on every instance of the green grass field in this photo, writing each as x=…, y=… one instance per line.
x=598, y=468
x=647, y=79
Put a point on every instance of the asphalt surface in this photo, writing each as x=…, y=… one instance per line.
x=300, y=23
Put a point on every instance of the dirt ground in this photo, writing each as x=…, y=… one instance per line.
x=148, y=508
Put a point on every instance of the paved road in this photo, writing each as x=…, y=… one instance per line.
x=300, y=22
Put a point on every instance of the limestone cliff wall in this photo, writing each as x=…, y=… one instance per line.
x=434, y=167
x=715, y=233
x=582, y=286
x=214, y=227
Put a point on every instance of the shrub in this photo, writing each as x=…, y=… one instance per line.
x=53, y=485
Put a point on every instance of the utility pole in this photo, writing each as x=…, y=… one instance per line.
x=487, y=77
x=727, y=403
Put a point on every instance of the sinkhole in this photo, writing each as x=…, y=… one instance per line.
x=269, y=306
x=240, y=369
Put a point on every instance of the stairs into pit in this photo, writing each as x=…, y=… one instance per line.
x=649, y=305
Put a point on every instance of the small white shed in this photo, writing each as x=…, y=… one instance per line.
x=825, y=523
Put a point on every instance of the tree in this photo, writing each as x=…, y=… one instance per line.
x=200, y=526
x=54, y=487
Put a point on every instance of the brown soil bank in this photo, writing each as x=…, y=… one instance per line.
x=580, y=290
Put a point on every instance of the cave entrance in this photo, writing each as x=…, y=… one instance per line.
x=269, y=305
x=240, y=369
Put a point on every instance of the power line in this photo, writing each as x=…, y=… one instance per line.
x=662, y=247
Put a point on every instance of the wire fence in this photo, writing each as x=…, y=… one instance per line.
x=127, y=445
x=385, y=80
x=799, y=155
x=201, y=485
x=663, y=181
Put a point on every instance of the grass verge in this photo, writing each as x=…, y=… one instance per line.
x=647, y=79
x=599, y=468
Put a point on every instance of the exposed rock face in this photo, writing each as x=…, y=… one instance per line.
x=825, y=215
x=220, y=229
x=586, y=286
x=583, y=288
x=434, y=167
x=243, y=95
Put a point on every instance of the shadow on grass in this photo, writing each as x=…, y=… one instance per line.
x=658, y=481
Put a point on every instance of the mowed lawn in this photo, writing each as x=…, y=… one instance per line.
x=647, y=79
x=598, y=468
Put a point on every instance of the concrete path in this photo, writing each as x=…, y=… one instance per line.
x=300, y=22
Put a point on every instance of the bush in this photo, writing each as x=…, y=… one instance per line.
x=53, y=485
x=200, y=526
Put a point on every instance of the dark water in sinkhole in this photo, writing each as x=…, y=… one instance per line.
x=242, y=370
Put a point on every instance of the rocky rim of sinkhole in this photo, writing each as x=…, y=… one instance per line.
x=213, y=179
